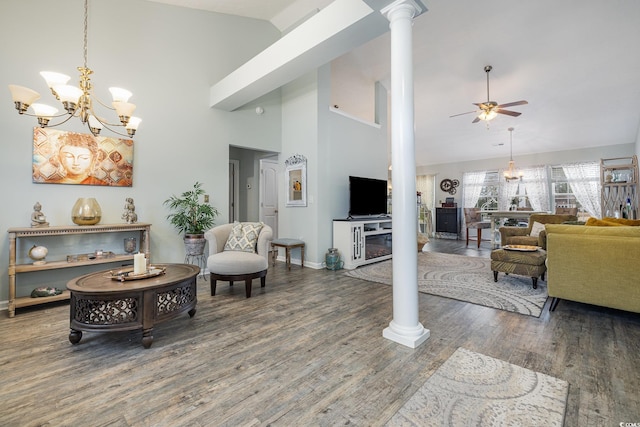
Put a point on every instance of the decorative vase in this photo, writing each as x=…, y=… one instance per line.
x=130, y=245
x=332, y=259
x=86, y=211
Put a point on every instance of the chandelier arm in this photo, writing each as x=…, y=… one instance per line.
x=56, y=124
x=103, y=121
x=50, y=117
x=107, y=126
x=95, y=98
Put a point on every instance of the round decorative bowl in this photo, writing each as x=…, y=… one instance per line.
x=37, y=254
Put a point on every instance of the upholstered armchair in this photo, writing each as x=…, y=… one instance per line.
x=238, y=251
x=532, y=236
x=473, y=220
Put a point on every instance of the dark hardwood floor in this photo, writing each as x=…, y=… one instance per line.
x=307, y=350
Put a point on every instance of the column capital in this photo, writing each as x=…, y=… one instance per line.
x=416, y=6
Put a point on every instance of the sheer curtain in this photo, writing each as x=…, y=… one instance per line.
x=507, y=191
x=536, y=183
x=472, y=183
x=584, y=179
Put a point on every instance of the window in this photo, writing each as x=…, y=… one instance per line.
x=488, y=199
x=568, y=186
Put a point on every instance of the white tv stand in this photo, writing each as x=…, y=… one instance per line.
x=362, y=241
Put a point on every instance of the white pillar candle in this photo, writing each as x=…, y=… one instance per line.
x=139, y=264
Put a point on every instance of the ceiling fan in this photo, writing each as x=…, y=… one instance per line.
x=490, y=109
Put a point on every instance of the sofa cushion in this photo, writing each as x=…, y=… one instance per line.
x=536, y=228
x=243, y=237
x=609, y=221
x=236, y=262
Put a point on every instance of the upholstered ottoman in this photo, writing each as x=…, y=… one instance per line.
x=530, y=264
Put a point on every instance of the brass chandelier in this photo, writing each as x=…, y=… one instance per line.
x=512, y=173
x=77, y=101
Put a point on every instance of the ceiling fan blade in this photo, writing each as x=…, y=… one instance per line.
x=513, y=104
x=462, y=114
x=507, y=112
x=476, y=120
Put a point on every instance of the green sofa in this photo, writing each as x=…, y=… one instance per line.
x=594, y=265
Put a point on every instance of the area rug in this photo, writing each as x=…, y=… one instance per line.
x=471, y=389
x=467, y=279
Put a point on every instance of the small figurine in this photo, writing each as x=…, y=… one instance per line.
x=129, y=214
x=37, y=218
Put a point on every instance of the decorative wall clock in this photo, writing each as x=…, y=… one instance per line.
x=449, y=185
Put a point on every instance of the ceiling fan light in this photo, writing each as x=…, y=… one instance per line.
x=487, y=115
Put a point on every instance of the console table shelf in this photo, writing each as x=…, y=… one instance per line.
x=15, y=268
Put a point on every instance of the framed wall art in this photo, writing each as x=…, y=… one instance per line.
x=61, y=157
x=296, y=180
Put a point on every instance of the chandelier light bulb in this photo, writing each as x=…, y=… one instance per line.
x=54, y=79
x=23, y=97
x=120, y=95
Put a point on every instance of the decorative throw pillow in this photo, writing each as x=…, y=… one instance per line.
x=606, y=222
x=536, y=229
x=243, y=237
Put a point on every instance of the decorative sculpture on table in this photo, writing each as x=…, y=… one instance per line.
x=129, y=214
x=38, y=254
x=37, y=217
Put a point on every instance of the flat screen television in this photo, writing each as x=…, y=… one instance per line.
x=367, y=196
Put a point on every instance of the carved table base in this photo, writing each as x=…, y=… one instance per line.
x=99, y=303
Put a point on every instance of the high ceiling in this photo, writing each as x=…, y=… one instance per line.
x=577, y=63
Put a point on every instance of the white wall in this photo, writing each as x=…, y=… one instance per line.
x=168, y=57
x=336, y=146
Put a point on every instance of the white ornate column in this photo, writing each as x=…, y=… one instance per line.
x=405, y=327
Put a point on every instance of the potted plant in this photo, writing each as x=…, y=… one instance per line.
x=192, y=218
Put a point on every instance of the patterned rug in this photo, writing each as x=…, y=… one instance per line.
x=471, y=389
x=467, y=279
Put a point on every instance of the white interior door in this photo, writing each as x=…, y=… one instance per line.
x=269, y=194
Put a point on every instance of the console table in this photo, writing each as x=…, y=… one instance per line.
x=100, y=303
x=56, y=262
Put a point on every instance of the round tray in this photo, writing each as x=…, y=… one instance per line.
x=127, y=274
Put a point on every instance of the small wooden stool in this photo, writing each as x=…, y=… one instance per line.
x=287, y=244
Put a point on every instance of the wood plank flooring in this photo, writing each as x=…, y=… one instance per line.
x=307, y=350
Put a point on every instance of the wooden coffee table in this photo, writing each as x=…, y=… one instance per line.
x=100, y=303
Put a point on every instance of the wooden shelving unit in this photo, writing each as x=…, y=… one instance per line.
x=16, y=233
x=619, y=180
